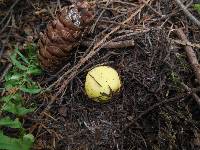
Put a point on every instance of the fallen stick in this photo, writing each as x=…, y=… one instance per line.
x=190, y=54
x=185, y=43
x=194, y=95
x=189, y=15
x=114, y=44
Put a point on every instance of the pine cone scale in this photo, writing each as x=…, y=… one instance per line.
x=66, y=32
x=52, y=34
x=62, y=35
x=64, y=46
x=44, y=53
x=46, y=40
x=55, y=51
x=45, y=63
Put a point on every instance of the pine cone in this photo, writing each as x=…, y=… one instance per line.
x=63, y=34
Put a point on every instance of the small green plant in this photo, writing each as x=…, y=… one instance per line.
x=197, y=7
x=17, y=82
x=175, y=78
x=182, y=62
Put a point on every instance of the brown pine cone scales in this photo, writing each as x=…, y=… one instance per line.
x=63, y=34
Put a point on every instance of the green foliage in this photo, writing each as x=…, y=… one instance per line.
x=17, y=82
x=10, y=123
x=13, y=104
x=197, y=7
x=23, y=68
x=175, y=78
x=16, y=109
x=182, y=62
x=23, y=143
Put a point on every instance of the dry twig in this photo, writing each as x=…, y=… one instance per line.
x=114, y=44
x=9, y=11
x=185, y=43
x=6, y=70
x=194, y=95
x=190, y=16
x=191, y=54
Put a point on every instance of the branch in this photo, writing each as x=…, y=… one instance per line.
x=185, y=43
x=190, y=16
x=190, y=54
x=194, y=94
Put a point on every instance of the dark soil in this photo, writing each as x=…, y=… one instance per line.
x=152, y=111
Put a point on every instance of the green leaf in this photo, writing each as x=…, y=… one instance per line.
x=16, y=76
x=17, y=63
x=16, y=109
x=32, y=90
x=21, y=56
x=197, y=7
x=13, y=80
x=15, y=98
x=8, y=143
x=31, y=50
x=34, y=70
x=13, y=74
x=11, y=84
x=28, y=137
x=10, y=123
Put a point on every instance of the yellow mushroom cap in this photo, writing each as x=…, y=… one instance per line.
x=101, y=82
